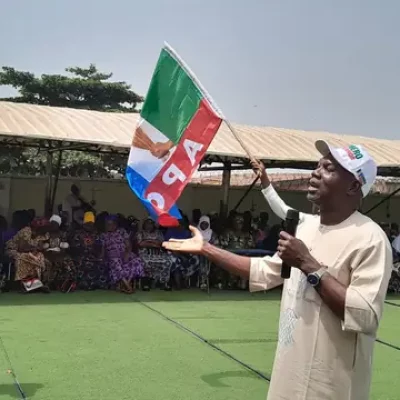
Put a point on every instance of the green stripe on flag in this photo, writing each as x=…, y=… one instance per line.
x=172, y=99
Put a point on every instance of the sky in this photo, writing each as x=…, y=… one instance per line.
x=328, y=65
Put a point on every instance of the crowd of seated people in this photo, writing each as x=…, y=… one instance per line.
x=114, y=252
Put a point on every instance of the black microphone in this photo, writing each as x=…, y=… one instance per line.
x=292, y=220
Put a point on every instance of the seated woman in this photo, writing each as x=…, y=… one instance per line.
x=132, y=229
x=124, y=265
x=157, y=262
x=3, y=261
x=59, y=263
x=394, y=282
x=236, y=238
x=184, y=265
x=262, y=230
x=86, y=249
x=208, y=236
x=26, y=250
x=270, y=242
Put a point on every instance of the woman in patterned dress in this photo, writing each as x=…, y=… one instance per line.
x=58, y=260
x=394, y=282
x=184, y=265
x=124, y=265
x=236, y=238
x=90, y=271
x=157, y=262
x=208, y=236
x=26, y=250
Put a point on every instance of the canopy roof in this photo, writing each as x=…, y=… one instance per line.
x=42, y=126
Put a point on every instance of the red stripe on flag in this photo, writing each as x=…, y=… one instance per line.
x=165, y=189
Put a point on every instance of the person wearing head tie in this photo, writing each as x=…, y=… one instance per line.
x=333, y=302
x=89, y=271
x=26, y=250
x=123, y=264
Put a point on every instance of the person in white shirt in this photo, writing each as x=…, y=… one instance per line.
x=333, y=302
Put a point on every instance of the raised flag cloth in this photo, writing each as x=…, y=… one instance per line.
x=177, y=123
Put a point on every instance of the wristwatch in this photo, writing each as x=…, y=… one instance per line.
x=314, y=278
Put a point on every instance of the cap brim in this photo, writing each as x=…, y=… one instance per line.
x=323, y=147
x=325, y=150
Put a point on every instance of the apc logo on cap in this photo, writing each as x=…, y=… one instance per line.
x=354, y=152
x=361, y=177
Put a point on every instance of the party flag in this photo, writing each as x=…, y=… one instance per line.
x=177, y=123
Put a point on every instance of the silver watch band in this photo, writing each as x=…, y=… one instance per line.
x=321, y=272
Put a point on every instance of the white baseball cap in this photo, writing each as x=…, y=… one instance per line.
x=354, y=159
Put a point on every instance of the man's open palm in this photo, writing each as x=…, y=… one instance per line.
x=193, y=245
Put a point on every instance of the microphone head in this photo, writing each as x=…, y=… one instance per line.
x=293, y=214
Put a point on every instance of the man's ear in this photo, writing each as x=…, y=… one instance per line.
x=354, y=188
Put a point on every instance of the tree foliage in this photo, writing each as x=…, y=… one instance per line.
x=83, y=88
x=32, y=161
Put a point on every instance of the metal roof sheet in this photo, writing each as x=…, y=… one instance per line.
x=27, y=123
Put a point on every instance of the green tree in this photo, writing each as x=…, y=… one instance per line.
x=83, y=88
x=32, y=161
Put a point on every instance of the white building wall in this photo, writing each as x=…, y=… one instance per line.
x=115, y=196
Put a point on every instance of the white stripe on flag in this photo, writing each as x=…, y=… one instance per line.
x=141, y=160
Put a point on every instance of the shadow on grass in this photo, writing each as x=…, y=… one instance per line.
x=100, y=297
x=216, y=380
x=12, y=392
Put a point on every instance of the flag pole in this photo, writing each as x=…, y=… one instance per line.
x=236, y=134
x=211, y=101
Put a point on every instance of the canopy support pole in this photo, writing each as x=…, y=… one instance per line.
x=49, y=173
x=382, y=201
x=249, y=189
x=57, y=178
x=226, y=183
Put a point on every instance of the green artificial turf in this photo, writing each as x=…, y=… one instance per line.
x=103, y=345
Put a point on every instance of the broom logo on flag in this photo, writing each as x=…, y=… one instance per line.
x=177, y=123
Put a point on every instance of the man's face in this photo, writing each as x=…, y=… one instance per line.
x=330, y=183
